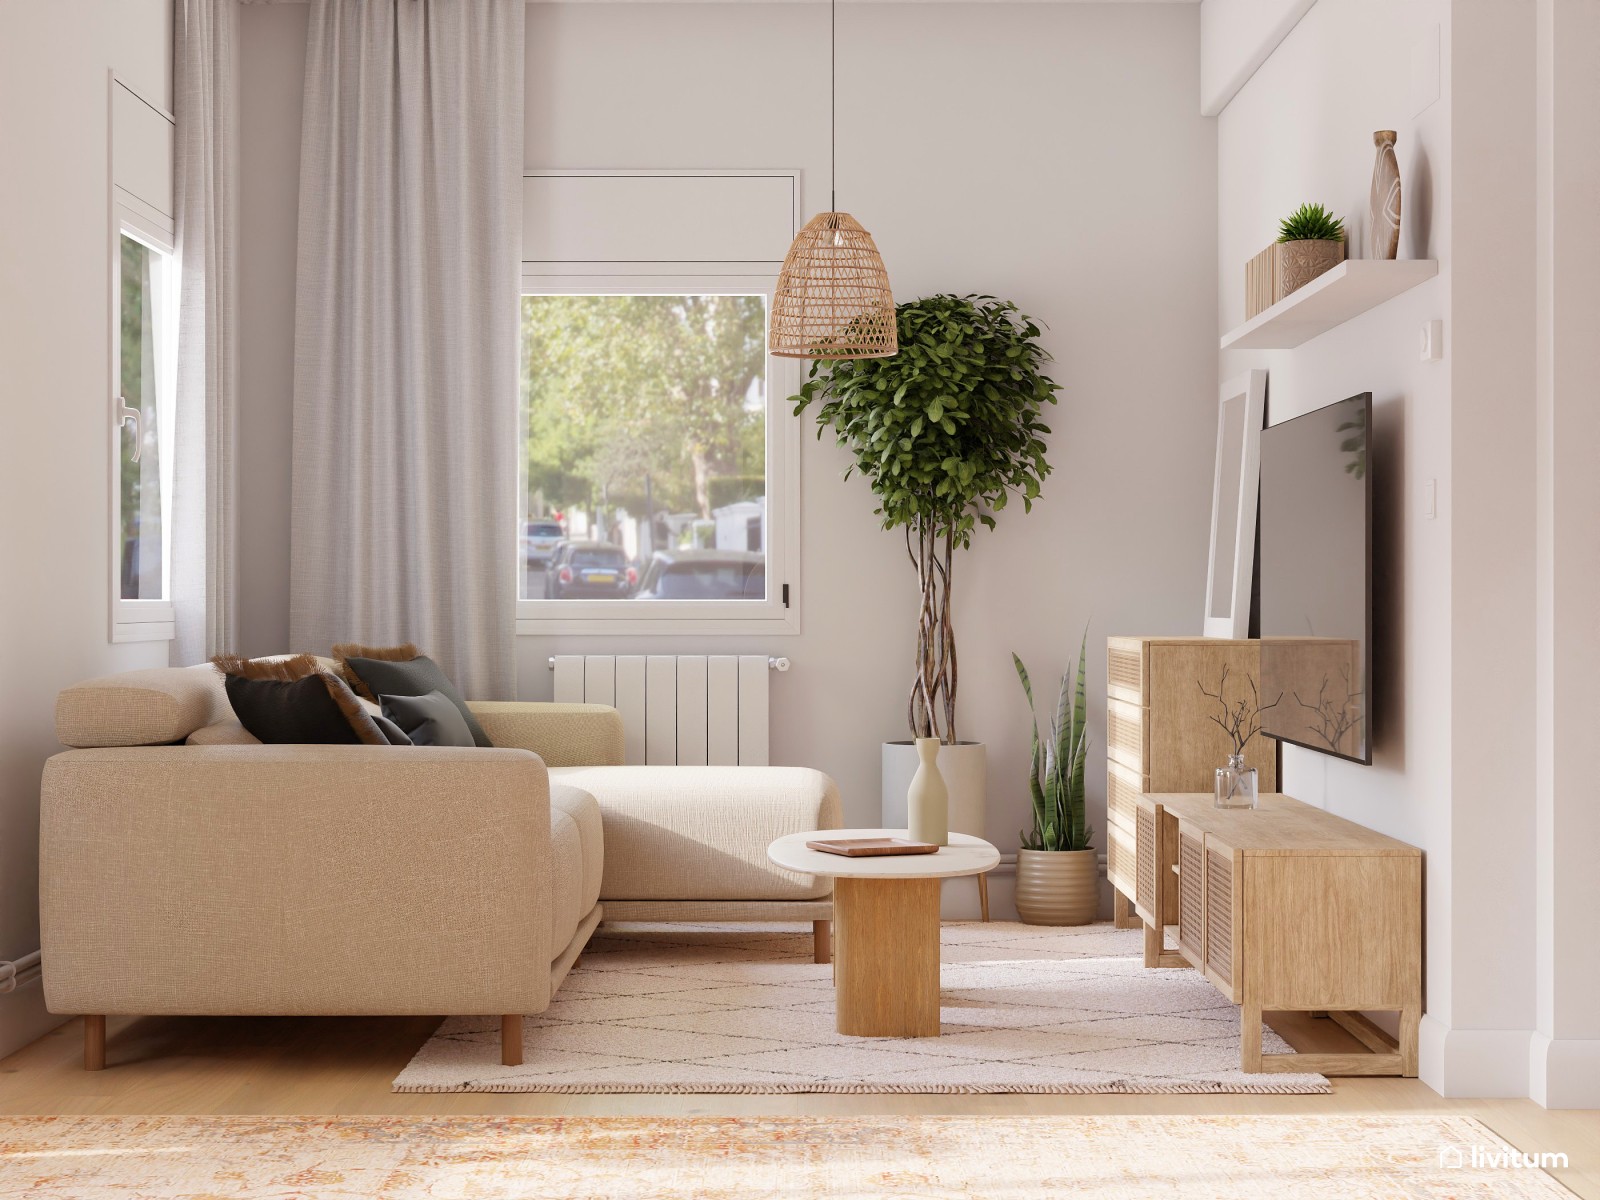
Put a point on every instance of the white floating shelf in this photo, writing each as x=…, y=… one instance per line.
x=1330, y=299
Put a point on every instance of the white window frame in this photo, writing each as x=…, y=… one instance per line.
x=138, y=206
x=779, y=612
x=143, y=620
x=554, y=276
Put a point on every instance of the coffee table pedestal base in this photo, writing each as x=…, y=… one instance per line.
x=886, y=957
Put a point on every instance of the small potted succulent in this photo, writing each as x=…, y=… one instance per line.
x=1310, y=241
x=1057, y=875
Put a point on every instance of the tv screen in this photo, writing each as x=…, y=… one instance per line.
x=1316, y=580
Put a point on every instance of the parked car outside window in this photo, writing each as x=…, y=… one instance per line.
x=539, y=540
x=589, y=571
x=705, y=575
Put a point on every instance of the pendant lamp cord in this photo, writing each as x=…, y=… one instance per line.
x=833, y=105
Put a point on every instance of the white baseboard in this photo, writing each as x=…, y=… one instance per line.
x=1473, y=1063
x=1564, y=1072
x=24, y=1018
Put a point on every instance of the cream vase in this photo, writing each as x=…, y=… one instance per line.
x=1057, y=887
x=927, y=799
x=964, y=768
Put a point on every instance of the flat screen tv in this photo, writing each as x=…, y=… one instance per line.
x=1316, y=580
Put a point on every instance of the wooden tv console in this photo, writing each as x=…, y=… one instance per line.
x=1286, y=908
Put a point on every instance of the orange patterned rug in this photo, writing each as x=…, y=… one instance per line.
x=741, y=1158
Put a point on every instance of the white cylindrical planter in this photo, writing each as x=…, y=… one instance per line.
x=964, y=767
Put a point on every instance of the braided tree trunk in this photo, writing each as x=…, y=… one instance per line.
x=932, y=710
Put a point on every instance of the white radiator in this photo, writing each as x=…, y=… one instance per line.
x=693, y=709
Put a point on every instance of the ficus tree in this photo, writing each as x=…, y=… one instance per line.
x=945, y=433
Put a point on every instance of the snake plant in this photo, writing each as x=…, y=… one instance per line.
x=1055, y=775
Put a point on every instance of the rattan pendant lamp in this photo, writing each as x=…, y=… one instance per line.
x=833, y=298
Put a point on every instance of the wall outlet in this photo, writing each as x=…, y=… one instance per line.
x=1432, y=345
x=1430, y=499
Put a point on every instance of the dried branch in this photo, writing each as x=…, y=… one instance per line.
x=1240, y=721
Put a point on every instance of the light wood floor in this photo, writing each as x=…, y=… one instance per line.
x=304, y=1065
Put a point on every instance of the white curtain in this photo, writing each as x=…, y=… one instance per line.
x=406, y=333
x=204, y=489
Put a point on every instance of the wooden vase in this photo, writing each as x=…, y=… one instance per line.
x=1383, y=221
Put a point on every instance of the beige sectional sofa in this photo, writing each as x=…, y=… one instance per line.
x=188, y=869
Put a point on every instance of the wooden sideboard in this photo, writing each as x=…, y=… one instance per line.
x=1287, y=908
x=1159, y=732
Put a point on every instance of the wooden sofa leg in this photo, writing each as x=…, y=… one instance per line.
x=94, y=1043
x=511, y=1040
x=822, y=941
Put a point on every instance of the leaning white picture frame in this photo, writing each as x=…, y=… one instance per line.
x=1235, y=489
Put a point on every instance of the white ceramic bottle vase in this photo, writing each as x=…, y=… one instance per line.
x=928, y=800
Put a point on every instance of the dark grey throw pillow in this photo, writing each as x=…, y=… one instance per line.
x=430, y=720
x=414, y=677
x=395, y=735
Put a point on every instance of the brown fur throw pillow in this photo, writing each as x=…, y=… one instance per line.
x=274, y=719
x=344, y=650
x=284, y=670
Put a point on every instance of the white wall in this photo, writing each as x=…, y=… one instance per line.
x=1565, y=1063
x=1484, y=639
x=55, y=363
x=1301, y=130
x=1051, y=154
x=1236, y=37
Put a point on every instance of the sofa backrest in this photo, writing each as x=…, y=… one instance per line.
x=141, y=708
x=154, y=707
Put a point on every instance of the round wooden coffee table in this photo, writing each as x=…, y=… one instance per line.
x=886, y=926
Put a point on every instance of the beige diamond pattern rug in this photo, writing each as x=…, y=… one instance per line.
x=742, y=1008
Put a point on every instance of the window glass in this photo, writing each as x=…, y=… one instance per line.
x=645, y=430
x=142, y=572
x=597, y=557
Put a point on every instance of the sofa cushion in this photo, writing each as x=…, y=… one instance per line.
x=140, y=708
x=564, y=735
x=576, y=854
x=701, y=833
x=227, y=732
x=584, y=815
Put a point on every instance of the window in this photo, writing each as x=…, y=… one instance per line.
x=143, y=374
x=648, y=458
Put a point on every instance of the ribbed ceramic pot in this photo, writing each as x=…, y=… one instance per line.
x=1057, y=887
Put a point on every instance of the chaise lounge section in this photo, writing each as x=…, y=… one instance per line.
x=227, y=877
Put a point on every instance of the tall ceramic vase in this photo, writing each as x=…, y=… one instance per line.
x=928, y=800
x=1383, y=230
